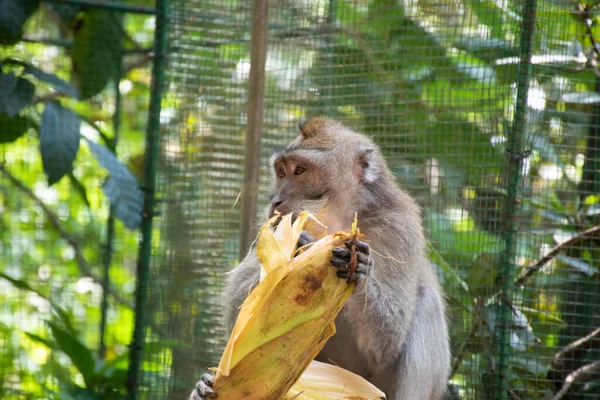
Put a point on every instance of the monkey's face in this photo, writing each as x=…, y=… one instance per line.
x=301, y=182
x=329, y=171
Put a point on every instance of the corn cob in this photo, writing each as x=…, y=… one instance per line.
x=287, y=319
x=322, y=381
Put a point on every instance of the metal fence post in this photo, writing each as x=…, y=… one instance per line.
x=150, y=169
x=512, y=204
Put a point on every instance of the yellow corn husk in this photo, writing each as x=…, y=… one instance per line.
x=287, y=319
x=322, y=381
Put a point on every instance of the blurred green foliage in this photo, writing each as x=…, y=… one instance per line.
x=60, y=67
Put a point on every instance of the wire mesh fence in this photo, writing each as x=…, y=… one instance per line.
x=487, y=112
x=489, y=128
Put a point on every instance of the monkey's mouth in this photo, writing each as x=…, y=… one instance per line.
x=282, y=212
x=271, y=212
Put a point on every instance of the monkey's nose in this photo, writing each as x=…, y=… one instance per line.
x=276, y=203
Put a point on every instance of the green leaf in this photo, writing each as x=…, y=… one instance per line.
x=552, y=216
x=529, y=366
x=489, y=314
x=79, y=188
x=126, y=200
x=114, y=372
x=448, y=276
x=489, y=49
x=96, y=50
x=121, y=187
x=80, y=355
x=20, y=284
x=444, y=94
x=59, y=141
x=15, y=94
x=77, y=393
x=53, y=80
x=346, y=12
x=482, y=274
x=522, y=334
x=13, y=16
x=64, y=316
x=579, y=265
x=119, y=362
x=12, y=128
x=451, y=130
x=39, y=339
x=499, y=19
x=581, y=98
x=543, y=315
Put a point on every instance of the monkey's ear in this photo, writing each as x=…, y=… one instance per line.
x=367, y=166
x=272, y=160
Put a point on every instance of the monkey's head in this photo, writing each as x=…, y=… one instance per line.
x=328, y=170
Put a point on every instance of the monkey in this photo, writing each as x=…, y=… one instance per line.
x=393, y=330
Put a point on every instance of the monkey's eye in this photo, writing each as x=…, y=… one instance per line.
x=299, y=170
x=281, y=172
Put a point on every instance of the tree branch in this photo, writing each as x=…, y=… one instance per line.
x=138, y=63
x=571, y=347
x=54, y=220
x=533, y=268
x=513, y=395
x=48, y=97
x=586, y=15
x=580, y=373
x=457, y=361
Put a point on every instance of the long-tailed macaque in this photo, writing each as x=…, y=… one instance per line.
x=392, y=331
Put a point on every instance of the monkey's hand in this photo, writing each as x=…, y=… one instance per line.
x=204, y=388
x=341, y=256
x=304, y=239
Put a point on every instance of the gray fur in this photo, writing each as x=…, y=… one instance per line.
x=393, y=330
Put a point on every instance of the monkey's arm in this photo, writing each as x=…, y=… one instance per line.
x=382, y=307
x=240, y=283
x=401, y=330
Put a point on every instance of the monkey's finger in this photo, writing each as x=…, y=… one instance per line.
x=355, y=277
x=305, y=238
x=208, y=378
x=204, y=389
x=195, y=395
x=364, y=259
x=342, y=274
x=338, y=262
x=342, y=254
x=362, y=247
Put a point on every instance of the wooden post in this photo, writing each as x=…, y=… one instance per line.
x=258, y=57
